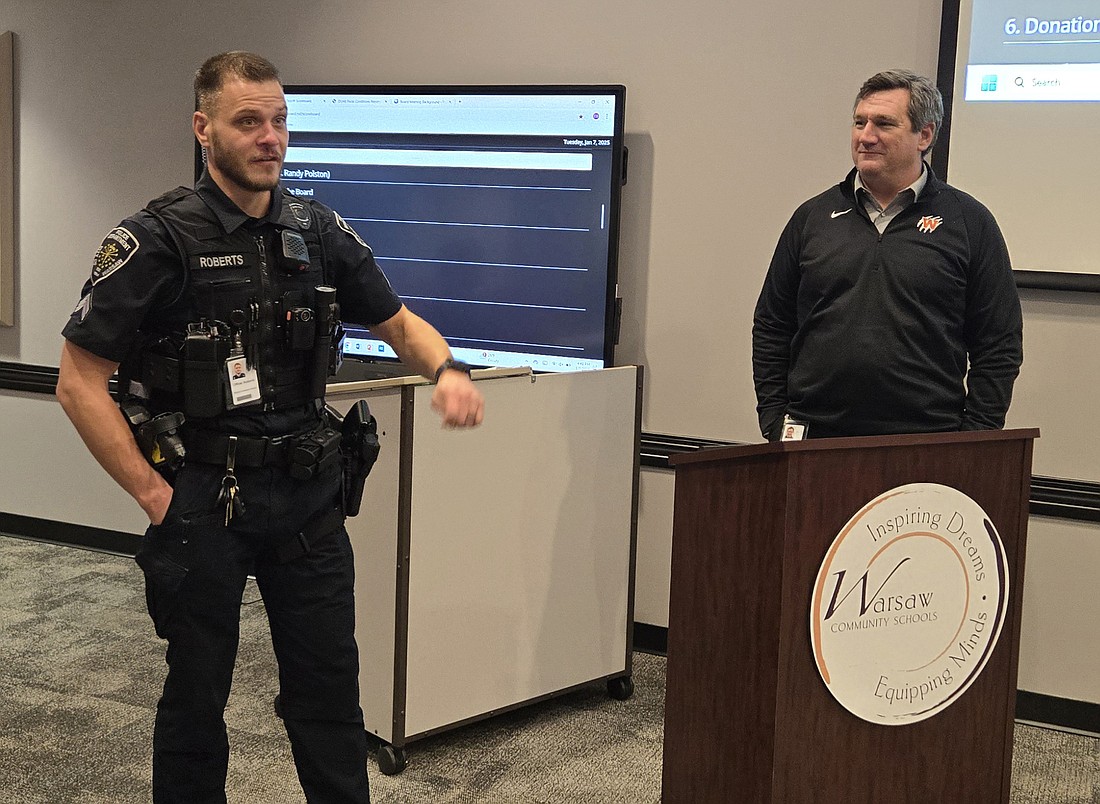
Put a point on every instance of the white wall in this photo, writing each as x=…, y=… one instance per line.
x=1060, y=382
x=46, y=473
x=735, y=113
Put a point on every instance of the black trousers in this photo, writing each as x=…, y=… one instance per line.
x=195, y=570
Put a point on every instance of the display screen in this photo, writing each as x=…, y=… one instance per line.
x=1023, y=84
x=493, y=211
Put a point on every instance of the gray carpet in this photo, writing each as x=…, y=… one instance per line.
x=80, y=670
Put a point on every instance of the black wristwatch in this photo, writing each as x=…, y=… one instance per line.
x=451, y=363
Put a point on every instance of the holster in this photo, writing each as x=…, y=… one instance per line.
x=359, y=447
x=158, y=437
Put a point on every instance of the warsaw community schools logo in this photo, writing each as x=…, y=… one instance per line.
x=909, y=603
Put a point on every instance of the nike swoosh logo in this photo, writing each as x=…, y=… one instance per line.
x=838, y=214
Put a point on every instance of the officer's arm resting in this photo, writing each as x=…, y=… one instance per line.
x=421, y=347
x=82, y=392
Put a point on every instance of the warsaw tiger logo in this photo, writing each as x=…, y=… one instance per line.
x=929, y=223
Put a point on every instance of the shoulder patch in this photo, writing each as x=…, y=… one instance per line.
x=118, y=247
x=343, y=224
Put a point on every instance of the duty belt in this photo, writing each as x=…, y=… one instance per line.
x=252, y=451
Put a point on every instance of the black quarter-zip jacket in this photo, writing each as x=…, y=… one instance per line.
x=862, y=333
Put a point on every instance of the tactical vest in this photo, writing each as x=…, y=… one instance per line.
x=257, y=296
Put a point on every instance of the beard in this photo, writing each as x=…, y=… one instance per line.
x=235, y=168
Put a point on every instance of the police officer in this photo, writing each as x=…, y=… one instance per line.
x=217, y=306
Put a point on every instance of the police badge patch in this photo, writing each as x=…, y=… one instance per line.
x=343, y=224
x=118, y=247
x=300, y=213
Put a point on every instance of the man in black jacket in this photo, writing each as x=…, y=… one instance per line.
x=885, y=288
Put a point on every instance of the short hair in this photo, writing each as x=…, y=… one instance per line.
x=211, y=76
x=925, y=100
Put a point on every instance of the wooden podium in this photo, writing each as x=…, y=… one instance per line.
x=747, y=715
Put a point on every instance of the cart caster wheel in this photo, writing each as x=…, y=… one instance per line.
x=278, y=705
x=391, y=760
x=620, y=688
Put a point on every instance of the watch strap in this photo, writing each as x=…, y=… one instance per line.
x=451, y=363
